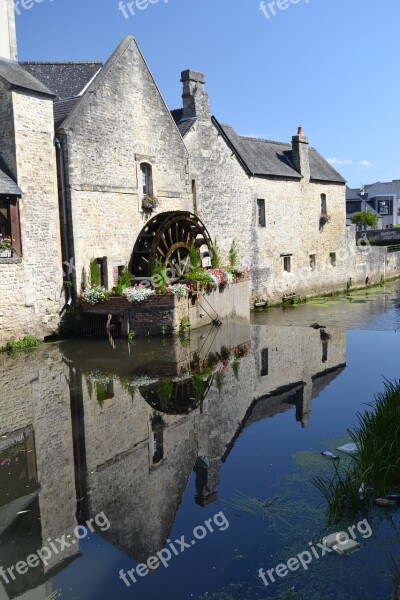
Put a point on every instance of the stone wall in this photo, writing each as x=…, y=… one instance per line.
x=30, y=289
x=162, y=314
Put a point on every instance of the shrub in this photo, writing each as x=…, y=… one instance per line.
x=215, y=256
x=159, y=273
x=179, y=289
x=28, y=342
x=124, y=281
x=233, y=255
x=94, y=274
x=194, y=257
x=138, y=293
x=198, y=276
x=367, y=219
x=96, y=295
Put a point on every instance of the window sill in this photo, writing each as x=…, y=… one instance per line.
x=13, y=260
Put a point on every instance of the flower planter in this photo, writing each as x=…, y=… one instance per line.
x=5, y=253
x=149, y=204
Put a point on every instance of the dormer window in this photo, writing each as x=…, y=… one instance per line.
x=147, y=183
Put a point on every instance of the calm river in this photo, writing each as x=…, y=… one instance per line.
x=202, y=450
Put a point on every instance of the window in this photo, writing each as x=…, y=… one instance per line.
x=261, y=212
x=264, y=362
x=287, y=264
x=324, y=208
x=313, y=262
x=194, y=195
x=147, y=183
x=103, y=274
x=332, y=259
x=157, y=439
x=9, y=221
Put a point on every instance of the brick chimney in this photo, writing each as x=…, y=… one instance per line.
x=300, y=154
x=194, y=96
x=8, y=37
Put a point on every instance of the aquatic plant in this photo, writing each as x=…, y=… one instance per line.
x=27, y=343
x=269, y=508
x=377, y=465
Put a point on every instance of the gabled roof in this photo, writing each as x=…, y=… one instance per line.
x=62, y=109
x=184, y=125
x=261, y=157
x=15, y=77
x=66, y=79
x=353, y=194
x=7, y=183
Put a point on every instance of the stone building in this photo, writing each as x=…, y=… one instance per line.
x=283, y=203
x=31, y=273
x=82, y=144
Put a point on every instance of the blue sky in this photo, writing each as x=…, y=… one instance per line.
x=331, y=66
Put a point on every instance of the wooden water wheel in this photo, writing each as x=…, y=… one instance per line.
x=169, y=236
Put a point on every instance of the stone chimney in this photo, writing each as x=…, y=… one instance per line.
x=8, y=36
x=300, y=155
x=194, y=96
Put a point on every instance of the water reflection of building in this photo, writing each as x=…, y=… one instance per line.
x=36, y=467
x=140, y=455
x=137, y=423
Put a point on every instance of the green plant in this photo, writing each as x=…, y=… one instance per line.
x=215, y=256
x=377, y=464
x=198, y=276
x=194, y=258
x=28, y=342
x=184, y=325
x=56, y=594
x=163, y=329
x=235, y=368
x=164, y=391
x=131, y=335
x=67, y=284
x=94, y=274
x=124, y=281
x=159, y=275
x=233, y=255
x=367, y=219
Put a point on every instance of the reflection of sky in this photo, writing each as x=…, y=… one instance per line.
x=262, y=457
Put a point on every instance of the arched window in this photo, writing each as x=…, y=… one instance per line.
x=147, y=180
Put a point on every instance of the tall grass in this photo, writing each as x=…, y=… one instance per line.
x=377, y=466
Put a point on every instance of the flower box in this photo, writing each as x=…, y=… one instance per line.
x=5, y=252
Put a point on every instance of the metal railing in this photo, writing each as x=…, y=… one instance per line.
x=393, y=248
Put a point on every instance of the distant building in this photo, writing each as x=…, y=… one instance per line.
x=382, y=199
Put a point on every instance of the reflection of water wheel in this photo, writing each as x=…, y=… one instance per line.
x=169, y=236
x=184, y=398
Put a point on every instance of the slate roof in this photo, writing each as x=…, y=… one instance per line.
x=352, y=194
x=262, y=157
x=7, y=183
x=62, y=109
x=66, y=79
x=15, y=77
x=184, y=125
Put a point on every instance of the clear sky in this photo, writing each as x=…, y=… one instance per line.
x=331, y=66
